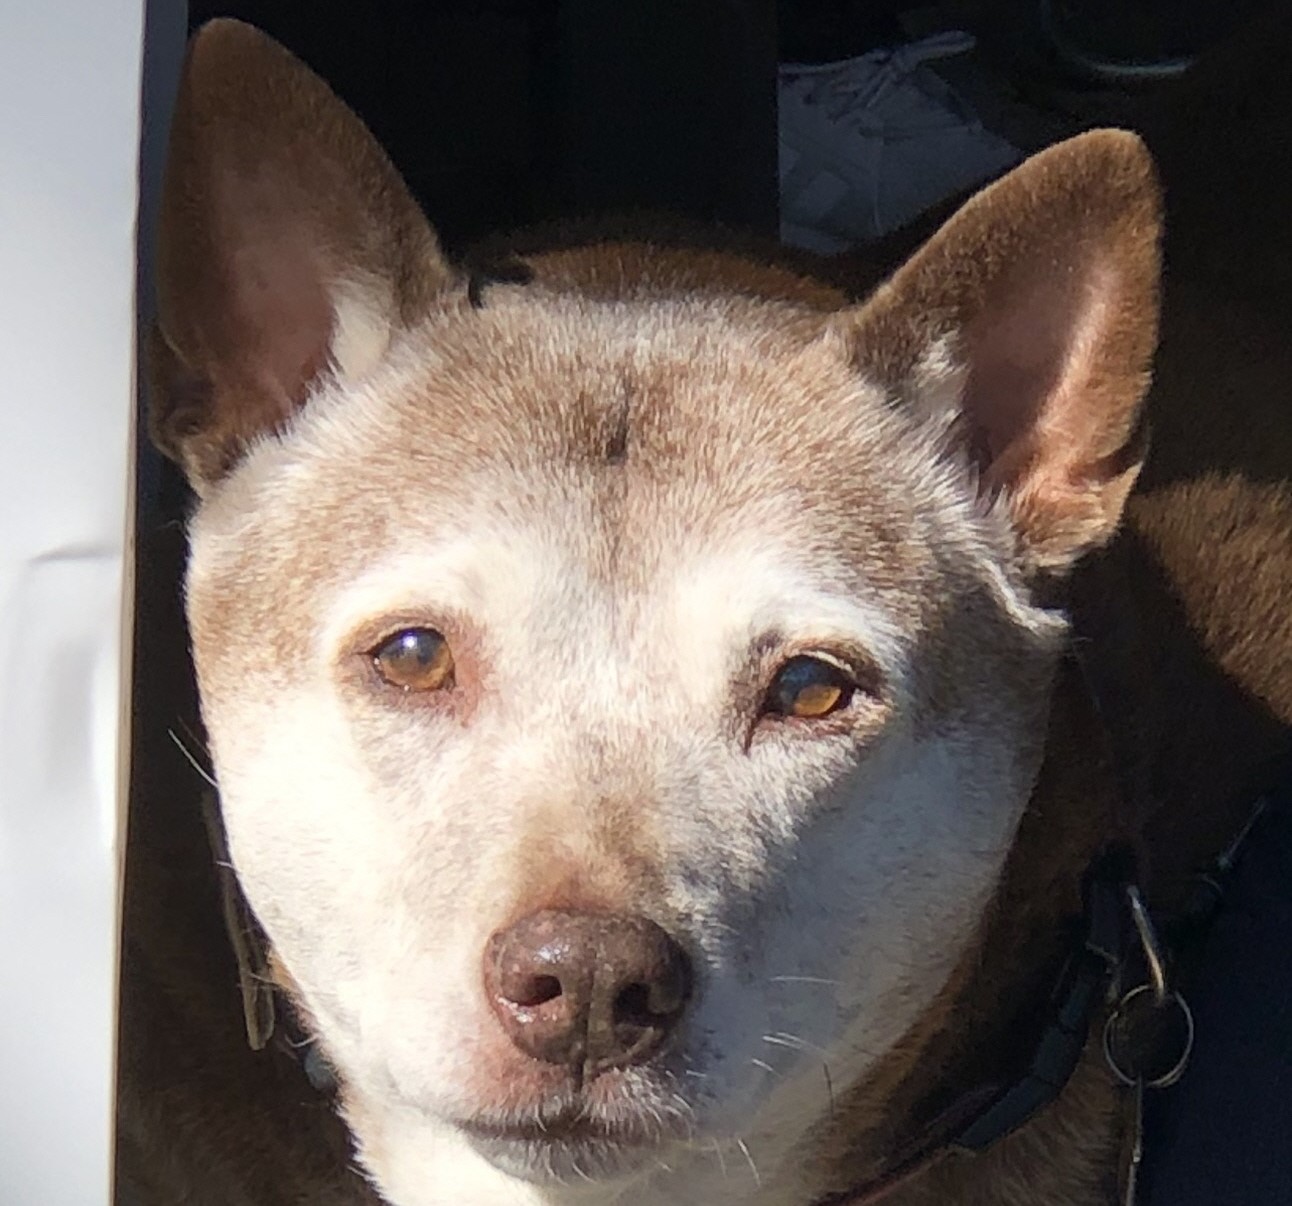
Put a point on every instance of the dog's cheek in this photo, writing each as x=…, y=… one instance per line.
x=437, y=817
x=875, y=899
x=323, y=853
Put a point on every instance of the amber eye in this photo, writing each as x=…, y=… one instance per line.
x=417, y=659
x=809, y=688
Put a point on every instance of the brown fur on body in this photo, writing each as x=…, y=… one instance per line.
x=1185, y=614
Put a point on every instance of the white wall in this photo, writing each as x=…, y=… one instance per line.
x=69, y=140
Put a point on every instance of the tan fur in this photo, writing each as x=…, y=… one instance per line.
x=744, y=407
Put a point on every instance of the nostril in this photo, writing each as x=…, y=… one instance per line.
x=650, y=1003
x=531, y=991
x=633, y=1004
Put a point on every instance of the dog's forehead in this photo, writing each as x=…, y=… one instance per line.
x=661, y=383
x=678, y=413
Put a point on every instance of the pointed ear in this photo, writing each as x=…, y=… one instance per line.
x=288, y=248
x=1026, y=328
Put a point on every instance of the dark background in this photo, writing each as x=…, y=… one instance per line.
x=503, y=113
x=500, y=113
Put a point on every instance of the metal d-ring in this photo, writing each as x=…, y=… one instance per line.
x=1164, y=1062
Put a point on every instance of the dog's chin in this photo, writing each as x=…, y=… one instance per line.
x=578, y=1137
x=575, y=1151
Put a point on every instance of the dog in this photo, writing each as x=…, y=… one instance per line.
x=641, y=681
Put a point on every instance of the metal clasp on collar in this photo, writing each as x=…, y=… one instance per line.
x=1148, y=1037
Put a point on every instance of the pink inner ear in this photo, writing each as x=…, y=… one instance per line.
x=277, y=329
x=1030, y=352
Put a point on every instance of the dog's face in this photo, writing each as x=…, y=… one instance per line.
x=607, y=654
x=623, y=688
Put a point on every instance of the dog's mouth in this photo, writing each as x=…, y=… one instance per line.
x=574, y=1140
x=565, y=1127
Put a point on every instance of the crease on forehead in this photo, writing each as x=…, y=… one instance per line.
x=541, y=380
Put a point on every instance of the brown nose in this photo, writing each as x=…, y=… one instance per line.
x=589, y=990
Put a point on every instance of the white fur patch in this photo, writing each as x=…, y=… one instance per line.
x=363, y=317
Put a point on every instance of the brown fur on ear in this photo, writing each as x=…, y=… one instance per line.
x=1027, y=326
x=288, y=245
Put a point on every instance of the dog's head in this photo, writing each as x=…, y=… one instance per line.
x=624, y=684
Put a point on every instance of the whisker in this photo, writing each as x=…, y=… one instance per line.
x=722, y=1160
x=189, y=757
x=758, y=1063
x=684, y=1108
x=777, y=1041
x=803, y=980
x=782, y=1038
x=753, y=1168
x=193, y=737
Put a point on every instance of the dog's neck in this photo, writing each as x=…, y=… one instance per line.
x=1193, y=746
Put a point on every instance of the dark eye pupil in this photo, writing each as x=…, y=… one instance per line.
x=809, y=687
